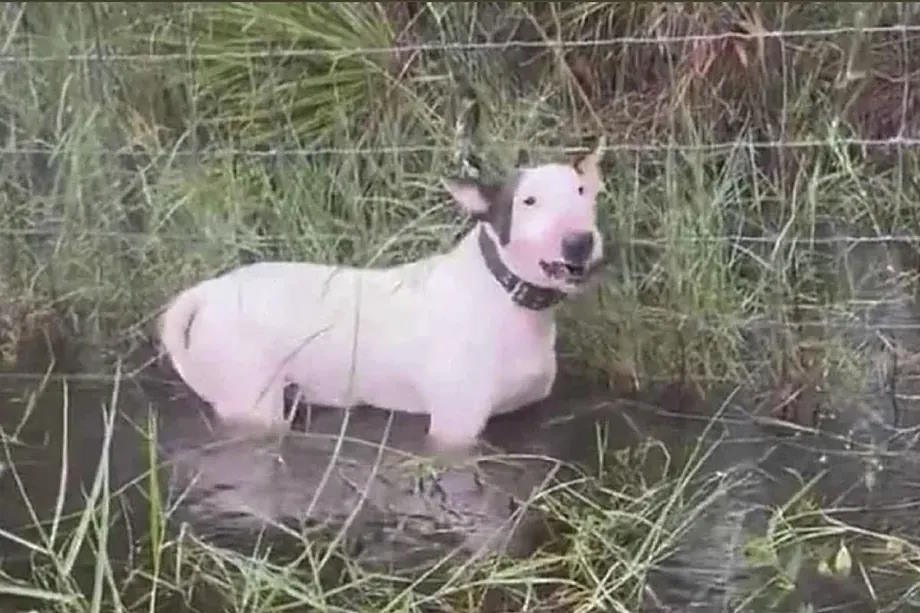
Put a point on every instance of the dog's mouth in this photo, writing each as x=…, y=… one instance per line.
x=574, y=274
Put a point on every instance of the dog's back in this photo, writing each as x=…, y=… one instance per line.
x=334, y=331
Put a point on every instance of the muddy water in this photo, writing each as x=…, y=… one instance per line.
x=227, y=486
x=856, y=441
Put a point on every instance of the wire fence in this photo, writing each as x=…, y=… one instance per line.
x=809, y=34
x=895, y=141
x=901, y=135
x=738, y=239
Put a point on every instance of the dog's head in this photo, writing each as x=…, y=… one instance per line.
x=542, y=219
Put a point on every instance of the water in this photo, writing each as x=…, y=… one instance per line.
x=226, y=486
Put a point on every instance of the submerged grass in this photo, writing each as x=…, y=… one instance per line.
x=614, y=525
x=177, y=141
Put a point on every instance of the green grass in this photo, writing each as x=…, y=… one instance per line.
x=125, y=178
x=612, y=526
x=151, y=175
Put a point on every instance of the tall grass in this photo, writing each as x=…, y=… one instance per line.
x=148, y=175
x=613, y=525
x=123, y=547
x=127, y=175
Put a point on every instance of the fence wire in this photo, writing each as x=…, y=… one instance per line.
x=895, y=141
x=100, y=55
x=830, y=316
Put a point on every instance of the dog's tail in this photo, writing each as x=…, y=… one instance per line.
x=175, y=325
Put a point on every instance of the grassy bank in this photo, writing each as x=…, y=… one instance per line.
x=168, y=148
x=147, y=147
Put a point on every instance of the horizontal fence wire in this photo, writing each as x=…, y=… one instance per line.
x=633, y=241
x=97, y=55
x=896, y=141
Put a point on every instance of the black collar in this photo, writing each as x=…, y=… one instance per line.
x=522, y=293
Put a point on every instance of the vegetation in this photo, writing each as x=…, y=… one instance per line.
x=147, y=147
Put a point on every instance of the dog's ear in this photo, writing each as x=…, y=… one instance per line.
x=588, y=165
x=469, y=194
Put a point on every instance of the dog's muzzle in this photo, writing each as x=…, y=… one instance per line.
x=576, y=266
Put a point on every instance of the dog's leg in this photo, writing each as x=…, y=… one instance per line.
x=257, y=411
x=455, y=425
x=453, y=435
x=458, y=405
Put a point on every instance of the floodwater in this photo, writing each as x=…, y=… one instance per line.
x=227, y=486
x=858, y=446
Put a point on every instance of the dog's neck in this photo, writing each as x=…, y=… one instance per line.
x=522, y=293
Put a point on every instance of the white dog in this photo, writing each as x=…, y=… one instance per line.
x=460, y=336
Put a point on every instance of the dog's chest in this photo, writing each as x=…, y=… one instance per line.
x=526, y=368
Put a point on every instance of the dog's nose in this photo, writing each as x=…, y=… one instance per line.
x=577, y=247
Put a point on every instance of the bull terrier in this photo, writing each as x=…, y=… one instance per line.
x=460, y=336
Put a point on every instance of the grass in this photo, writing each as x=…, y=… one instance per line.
x=633, y=515
x=165, y=174
x=614, y=526
x=126, y=178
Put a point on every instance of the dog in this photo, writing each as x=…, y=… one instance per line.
x=460, y=336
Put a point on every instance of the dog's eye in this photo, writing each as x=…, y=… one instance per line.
x=581, y=190
x=530, y=201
